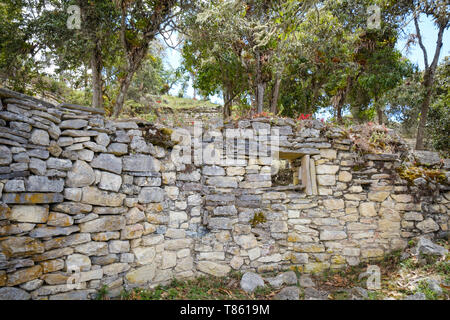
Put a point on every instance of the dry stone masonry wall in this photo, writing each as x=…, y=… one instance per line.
x=88, y=202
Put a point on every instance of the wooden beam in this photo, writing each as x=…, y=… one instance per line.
x=312, y=168
x=306, y=175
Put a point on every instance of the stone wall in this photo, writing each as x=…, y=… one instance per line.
x=88, y=202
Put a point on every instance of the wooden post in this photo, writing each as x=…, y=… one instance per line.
x=312, y=168
x=306, y=175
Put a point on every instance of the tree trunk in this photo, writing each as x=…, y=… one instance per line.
x=428, y=78
x=260, y=98
x=124, y=85
x=275, y=95
x=379, y=111
x=423, y=118
x=379, y=115
x=259, y=85
x=96, y=66
x=227, y=100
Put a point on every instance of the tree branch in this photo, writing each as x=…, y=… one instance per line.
x=419, y=37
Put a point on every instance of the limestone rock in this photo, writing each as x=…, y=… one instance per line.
x=213, y=268
x=40, y=137
x=428, y=225
x=250, y=281
x=110, y=181
x=81, y=175
x=107, y=223
x=31, y=214
x=141, y=275
x=427, y=247
x=288, y=293
x=94, y=196
x=10, y=293
x=107, y=162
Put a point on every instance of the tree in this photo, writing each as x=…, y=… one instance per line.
x=140, y=22
x=438, y=10
x=241, y=41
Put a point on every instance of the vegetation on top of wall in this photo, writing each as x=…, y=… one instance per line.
x=411, y=173
x=375, y=139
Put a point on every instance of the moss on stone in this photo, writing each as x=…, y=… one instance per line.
x=258, y=218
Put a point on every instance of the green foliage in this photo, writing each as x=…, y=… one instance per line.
x=258, y=218
x=429, y=293
x=438, y=124
x=102, y=293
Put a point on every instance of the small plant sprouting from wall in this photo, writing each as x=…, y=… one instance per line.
x=412, y=173
x=258, y=218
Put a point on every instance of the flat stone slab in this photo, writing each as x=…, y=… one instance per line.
x=32, y=198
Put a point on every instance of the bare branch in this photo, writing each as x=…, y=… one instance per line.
x=419, y=37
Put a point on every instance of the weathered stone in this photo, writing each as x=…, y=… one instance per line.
x=56, y=219
x=367, y=209
x=9, y=293
x=93, y=248
x=213, y=268
x=102, y=139
x=108, y=162
x=379, y=196
x=5, y=155
x=115, y=268
x=427, y=247
x=332, y=235
x=334, y=204
x=31, y=285
x=108, y=223
x=45, y=232
x=213, y=171
x=37, y=166
x=326, y=180
x=118, y=149
x=169, y=259
x=52, y=265
x=72, y=208
x=73, y=194
x=118, y=246
x=327, y=169
x=133, y=231
x=78, y=262
x=134, y=215
x=31, y=214
x=59, y=164
x=73, y=124
x=85, y=155
x=110, y=181
x=54, y=149
x=220, y=223
x=106, y=236
x=21, y=246
x=81, y=175
x=40, y=137
x=32, y=198
x=250, y=281
x=94, y=196
x=225, y=211
x=416, y=296
x=141, y=275
x=14, y=186
x=288, y=293
x=151, y=194
x=141, y=163
x=73, y=295
x=44, y=184
x=24, y=275
x=428, y=225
